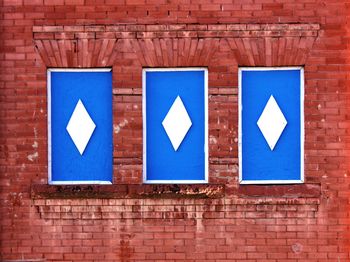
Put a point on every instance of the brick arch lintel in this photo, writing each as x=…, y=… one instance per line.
x=175, y=45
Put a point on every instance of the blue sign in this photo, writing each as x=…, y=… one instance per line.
x=271, y=124
x=176, y=121
x=81, y=126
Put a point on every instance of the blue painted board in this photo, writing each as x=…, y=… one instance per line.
x=94, y=89
x=162, y=161
x=258, y=161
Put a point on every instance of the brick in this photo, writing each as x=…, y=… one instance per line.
x=54, y=2
x=85, y=35
x=73, y=28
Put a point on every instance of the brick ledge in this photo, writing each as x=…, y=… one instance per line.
x=166, y=191
x=175, y=30
x=127, y=191
x=188, y=44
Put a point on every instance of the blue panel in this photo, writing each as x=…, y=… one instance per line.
x=94, y=89
x=259, y=162
x=163, y=162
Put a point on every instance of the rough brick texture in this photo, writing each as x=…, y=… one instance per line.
x=309, y=222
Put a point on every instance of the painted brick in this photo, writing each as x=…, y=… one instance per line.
x=307, y=222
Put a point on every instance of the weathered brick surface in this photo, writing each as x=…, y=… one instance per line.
x=308, y=222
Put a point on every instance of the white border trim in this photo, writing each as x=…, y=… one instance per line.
x=206, y=158
x=302, y=134
x=49, y=139
x=79, y=69
x=49, y=133
x=83, y=182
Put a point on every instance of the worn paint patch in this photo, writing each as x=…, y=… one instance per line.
x=297, y=248
x=118, y=127
x=213, y=140
x=33, y=156
x=35, y=144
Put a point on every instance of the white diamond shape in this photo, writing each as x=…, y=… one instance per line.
x=177, y=123
x=80, y=127
x=272, y=122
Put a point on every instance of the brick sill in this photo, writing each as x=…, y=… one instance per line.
x=122, y=191
x=157, y=191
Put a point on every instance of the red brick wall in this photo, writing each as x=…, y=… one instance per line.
x=309, y=222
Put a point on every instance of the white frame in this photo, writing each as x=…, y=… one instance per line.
x=73, y=182
x=206, y=167
x=240, y=107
